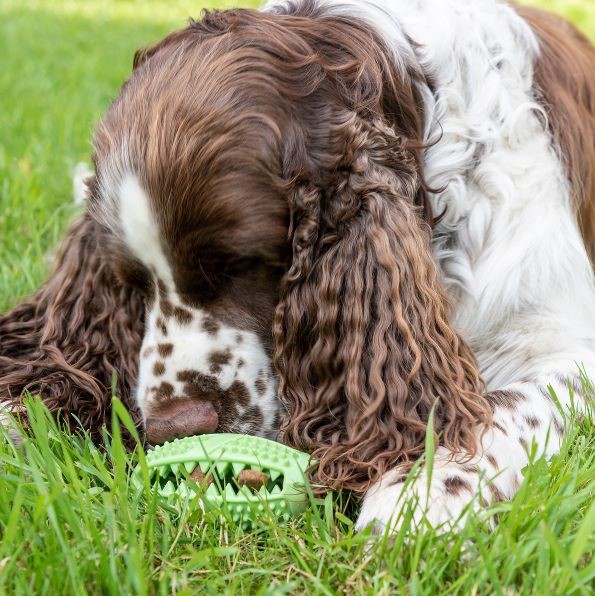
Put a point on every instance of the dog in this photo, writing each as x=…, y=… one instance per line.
x=339, y=221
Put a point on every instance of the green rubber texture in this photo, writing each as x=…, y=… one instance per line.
x=224, y=456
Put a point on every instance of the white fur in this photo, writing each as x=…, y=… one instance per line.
x=80, y=190
x=508, y=247
x=140, y=231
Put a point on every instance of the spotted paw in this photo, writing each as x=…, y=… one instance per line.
x=442, y=501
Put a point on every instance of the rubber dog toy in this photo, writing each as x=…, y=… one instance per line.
x=239, y=472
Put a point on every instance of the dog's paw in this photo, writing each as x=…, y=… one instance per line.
x=443, y=502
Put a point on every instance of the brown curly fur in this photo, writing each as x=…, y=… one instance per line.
x=363, y=342
x=69, y=340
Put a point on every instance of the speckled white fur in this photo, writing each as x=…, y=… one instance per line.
x=191, y=342
x=192, y=348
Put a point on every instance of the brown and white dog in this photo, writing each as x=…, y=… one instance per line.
x=334, y=216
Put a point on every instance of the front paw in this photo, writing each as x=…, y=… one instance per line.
x=443, y=502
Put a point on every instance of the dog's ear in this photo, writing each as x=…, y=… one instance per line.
x=81, y=330
x=363, y=341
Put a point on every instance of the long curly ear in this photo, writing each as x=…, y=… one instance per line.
x=69, y=340
x=363, y=340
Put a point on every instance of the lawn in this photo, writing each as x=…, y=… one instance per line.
x=70, y=519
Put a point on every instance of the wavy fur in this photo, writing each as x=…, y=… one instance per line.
x=81, y=331
x=364, y=346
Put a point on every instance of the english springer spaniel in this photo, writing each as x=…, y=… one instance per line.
x=335, y=219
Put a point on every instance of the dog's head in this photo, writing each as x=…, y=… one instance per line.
x=259, y=176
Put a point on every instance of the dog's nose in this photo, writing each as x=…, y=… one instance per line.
x=180, y=419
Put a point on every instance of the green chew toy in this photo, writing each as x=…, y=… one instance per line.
x=240, y=472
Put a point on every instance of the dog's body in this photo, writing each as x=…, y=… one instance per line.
x=355, y=125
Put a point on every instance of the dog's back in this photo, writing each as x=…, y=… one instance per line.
x=567, y=64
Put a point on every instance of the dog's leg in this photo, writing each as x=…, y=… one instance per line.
x=528, y=420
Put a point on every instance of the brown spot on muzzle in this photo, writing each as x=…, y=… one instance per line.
x=165, y=350
x=160, y=323
x=164, y=391
x=182, y=315
x=261, y=383
x=198, y=385
x=219, y=359
x=210, y=325
x=232, y=404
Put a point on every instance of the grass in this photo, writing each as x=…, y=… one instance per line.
x=73, y=522
x=70, y=520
